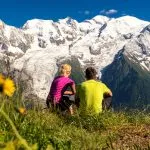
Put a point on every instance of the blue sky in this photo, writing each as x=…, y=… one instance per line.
x=17, y=12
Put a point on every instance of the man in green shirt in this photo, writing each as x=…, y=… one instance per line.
x=90, y=93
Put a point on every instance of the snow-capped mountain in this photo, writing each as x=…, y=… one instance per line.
x=35, y=51
x=131, y=72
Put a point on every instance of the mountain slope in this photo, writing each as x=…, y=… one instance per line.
x=131, y=72
x=35, y=52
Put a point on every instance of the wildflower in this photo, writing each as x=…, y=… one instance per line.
x=7, y=86
x=22, y=110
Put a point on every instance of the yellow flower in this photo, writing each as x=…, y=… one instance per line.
x=22, y=110
x=8, y=87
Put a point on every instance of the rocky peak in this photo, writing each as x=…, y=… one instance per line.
x=37, y=48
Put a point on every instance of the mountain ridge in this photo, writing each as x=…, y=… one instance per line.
x=36, y=51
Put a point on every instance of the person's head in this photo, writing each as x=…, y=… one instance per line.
x=65, y=70
x=90, y=73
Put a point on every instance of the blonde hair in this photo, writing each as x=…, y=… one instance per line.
x=65, y=69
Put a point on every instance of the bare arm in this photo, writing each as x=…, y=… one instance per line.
x=110, y=93
x=72, y=92
x=107, y=94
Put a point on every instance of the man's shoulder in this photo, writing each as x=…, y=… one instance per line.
x=91, y=81
x=83, y=83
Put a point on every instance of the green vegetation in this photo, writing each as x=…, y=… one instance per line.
x=41, y=129
x=130, y=84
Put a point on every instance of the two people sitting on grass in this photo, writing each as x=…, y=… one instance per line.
x=92, y=95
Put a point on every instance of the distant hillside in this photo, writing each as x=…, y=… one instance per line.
x=129, y=82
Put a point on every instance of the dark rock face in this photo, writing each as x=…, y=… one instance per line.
x=94, y=51
x=17, y=41
x=4, y=43
x=127, y=36
x=57, y=41
x=42, y=43
x=146, y=29
x=101, y=29
x=3, y=46
x=130, y=84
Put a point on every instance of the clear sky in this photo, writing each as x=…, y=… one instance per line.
x=17, y=12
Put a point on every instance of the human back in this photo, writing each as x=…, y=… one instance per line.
x=59, y=88
x=91, y=96
x=90, y=93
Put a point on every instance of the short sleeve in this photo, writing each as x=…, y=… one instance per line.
x=71, y=82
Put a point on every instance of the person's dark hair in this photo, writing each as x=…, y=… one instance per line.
x=90, y=73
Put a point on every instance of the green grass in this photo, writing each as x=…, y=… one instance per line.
x=43, y=129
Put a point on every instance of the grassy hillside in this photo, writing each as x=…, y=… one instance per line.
x=41, y=129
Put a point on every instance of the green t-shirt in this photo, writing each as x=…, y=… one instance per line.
x=90, y=94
